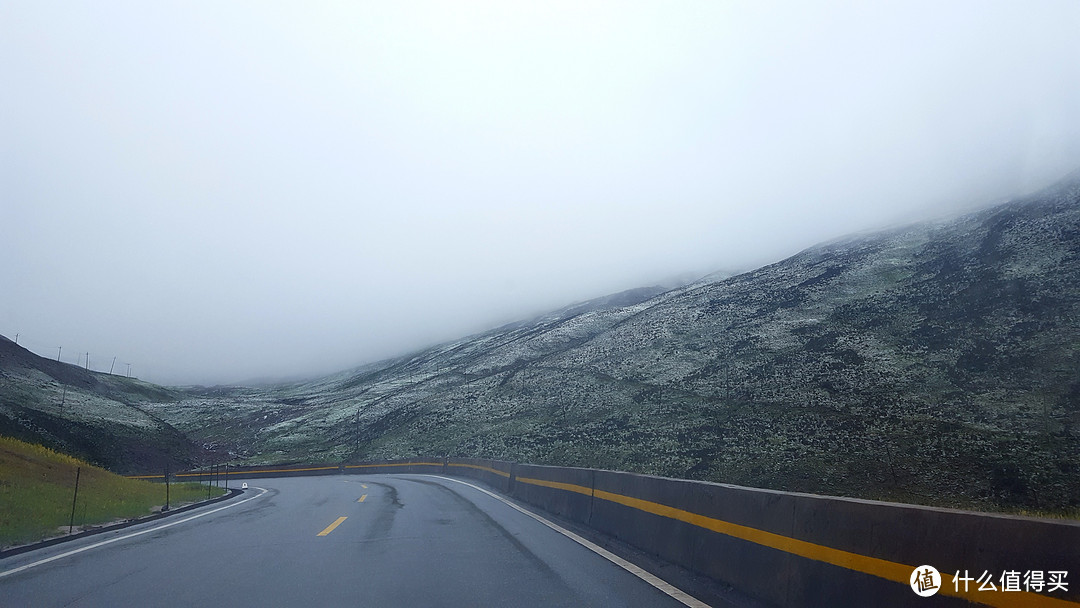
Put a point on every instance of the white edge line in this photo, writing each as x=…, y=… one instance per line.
x=127, y=536
x=659, y=583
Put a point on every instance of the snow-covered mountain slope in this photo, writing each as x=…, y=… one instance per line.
x=937, y=363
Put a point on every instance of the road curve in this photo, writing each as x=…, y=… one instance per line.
x=343, y=540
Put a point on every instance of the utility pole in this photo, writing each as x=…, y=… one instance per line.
x=16, y=339
x=71, y=524
x=58, y=349
x=129, y=370
x=87, y=361
x=112, y=366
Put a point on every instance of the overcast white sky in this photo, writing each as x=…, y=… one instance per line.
x=215, y=191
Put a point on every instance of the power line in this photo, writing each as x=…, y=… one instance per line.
x=39, y=347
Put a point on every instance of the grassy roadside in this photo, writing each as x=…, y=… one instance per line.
x=37, y=486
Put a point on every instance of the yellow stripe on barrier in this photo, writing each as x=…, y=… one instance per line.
x=207, y=473
x=569, y=487
x=892, y=571
x=393, y=464
x=257, y=471
x=482, y=468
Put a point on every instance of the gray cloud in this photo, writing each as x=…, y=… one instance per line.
x=220, y=192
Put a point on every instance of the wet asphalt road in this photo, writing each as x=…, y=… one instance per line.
x=399, y=540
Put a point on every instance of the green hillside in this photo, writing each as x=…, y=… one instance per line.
x=37, y=486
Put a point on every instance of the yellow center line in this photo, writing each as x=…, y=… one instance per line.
x=362, y=498
x=330, y=528
x=363, y=486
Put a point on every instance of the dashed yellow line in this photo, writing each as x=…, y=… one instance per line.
x=330, y=528
x=363, y=486
x=362, y=498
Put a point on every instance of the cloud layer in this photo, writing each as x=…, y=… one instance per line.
x=215, y=193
